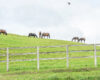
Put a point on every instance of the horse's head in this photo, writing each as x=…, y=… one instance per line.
x=5, y=33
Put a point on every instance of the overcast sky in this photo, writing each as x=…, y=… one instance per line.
x=62, y=21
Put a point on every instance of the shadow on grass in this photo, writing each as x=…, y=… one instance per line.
x=70, y=78
x=54, y=71
x=76, y=70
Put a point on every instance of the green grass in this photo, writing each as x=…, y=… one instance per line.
x=13, y=40
x=79, y=69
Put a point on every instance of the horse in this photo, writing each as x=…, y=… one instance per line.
x=75, y=39
x=45, y=34
x=40, y=35
x=3, y=31
x=81, y=39
x=32, y=34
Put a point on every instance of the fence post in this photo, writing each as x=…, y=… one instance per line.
x=38, y=58
x=67, y=56
x=95, y=57
x=7, y=59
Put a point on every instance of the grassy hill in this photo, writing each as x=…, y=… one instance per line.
x=49, y=69
x=13, y=40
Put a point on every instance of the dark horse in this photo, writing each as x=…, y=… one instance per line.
x=32, y=34
x=3, y=31
x=75, y=39
x=43, y=35
x=81, y=39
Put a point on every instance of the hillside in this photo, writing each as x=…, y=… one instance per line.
x=23, y=67
x=13, y=40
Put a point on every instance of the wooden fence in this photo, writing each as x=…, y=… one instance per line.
x=38, y=53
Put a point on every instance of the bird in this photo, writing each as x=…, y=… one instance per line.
x=69, y=3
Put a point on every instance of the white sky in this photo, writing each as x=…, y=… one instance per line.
x=62, y=21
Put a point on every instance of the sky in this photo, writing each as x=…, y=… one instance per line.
x=61, y=20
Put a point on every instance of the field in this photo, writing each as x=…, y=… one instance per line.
x=79, y=69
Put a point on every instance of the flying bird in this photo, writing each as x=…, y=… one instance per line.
x=69, y=3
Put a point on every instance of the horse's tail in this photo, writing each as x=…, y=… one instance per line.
x=49, y=35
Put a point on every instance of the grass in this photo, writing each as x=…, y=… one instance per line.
x=79, y=69
x=58, y=74
x=13, y=40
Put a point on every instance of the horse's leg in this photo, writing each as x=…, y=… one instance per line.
x=81, y=41
x=49, y=36
x=42, y=36
x=36, y=36
x=78, y=40
x=75, y=40
x=39, y=36
x=6, y=33
x=46, y=37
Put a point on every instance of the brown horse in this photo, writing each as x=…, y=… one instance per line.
x=75, y=39
x=43, y=35
x=3, y=31
x=81, y=39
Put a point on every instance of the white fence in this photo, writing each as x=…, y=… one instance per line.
x=38, y=53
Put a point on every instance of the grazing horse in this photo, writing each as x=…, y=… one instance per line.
x=32, y=34
x=45, y=34
x=3, y=31
x=75, y=39
x=81, y=39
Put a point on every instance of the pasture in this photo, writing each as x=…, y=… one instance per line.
x=79, y=68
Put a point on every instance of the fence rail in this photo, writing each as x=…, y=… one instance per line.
x=38, y=54
x=47, y=59
x=49, y=52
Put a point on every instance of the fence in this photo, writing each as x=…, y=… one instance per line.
x=7, y=53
